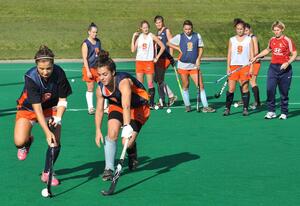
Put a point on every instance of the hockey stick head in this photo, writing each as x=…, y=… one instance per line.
x=217, y=95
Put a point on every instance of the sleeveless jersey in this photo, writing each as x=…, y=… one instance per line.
x=189, y=48
x=145, y=48
x=240, y=51
x=139, y=96
x=93, y=51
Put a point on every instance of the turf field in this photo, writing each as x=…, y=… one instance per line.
x=62, y=25
x=185, y=158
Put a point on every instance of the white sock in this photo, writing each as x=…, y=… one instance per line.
x=89, y=99
x=110, y=148
x=105, y=103
x=203, y=98
x=170, y=93
x=186, y=97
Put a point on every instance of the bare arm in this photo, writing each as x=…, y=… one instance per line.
x=198, y=61
x=99, y=116
x=255, y=46
x=84, y=53
x=161, y=45
x=228, y=56
x=42, y=121
x=169, y=37
x=134, y=42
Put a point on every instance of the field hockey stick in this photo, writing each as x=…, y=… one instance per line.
x=218, y=94
x=118, y=171
x=232, y=72
x=47, y=191
x=168, y=102
x=198, y=90
x=178, y=81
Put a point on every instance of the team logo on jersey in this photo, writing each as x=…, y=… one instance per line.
x=46, y=97
x=277, y=51
x=144, y=46
x=190, y=46
x=96, y=52
x=240, y=49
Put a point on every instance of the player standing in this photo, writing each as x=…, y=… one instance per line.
x=190, y=46
x=280, y=70
x=143, y=43
x=163, y=63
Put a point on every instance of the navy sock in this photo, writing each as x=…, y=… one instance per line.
x=229, y=99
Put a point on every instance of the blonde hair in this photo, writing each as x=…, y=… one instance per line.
x=278, y=24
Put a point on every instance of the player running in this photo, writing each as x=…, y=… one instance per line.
x=128, y=109
x=280, y=70
x=143, y=42
x=190, y=46
x=240, y=51
x=90, y=49
x=163, y=63
x=43, y=100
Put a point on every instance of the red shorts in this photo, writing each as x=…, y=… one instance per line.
x=94, y=73
x=162, y=63
x=31, y=116
x=145, y=67
x=140, y=114
x=256, y=68
x=188, y=72
x=243, y=74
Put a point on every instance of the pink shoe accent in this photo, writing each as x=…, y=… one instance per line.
x=45, y=176
x=23, y=152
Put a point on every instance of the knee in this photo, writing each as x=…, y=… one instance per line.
x=112, y=136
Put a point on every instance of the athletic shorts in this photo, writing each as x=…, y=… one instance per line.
x=256, y=68
x=188, y=72
x=242, y=75
x=95, y=75
x=31, y=116
x=162, y=63
x=138, y=116
x=145, y=67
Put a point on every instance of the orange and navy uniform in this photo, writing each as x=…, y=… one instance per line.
x=92, y=56
x=37, y=90
x=256, y=65
x=163, y=61
x=140, y=110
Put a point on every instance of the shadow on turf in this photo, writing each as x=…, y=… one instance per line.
x=163, y=164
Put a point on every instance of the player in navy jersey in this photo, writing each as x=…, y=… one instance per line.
x=90, y=49
x=190, y=46
x=128, y=107
x=43, y=100
x=164, y=34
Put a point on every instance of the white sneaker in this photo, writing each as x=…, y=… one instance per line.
x=283, y=116
x=270, y=115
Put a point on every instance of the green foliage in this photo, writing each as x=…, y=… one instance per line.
x=62, y=25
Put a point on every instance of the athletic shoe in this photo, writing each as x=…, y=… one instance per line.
x=270, y=115
x=107, y=175
x=45, y=176
x=188, y=108
x=132, y=163
x=23, y=152
x=283, y=116
x=91, y=111
x=226, y=112
x=172, y=100
x=208, y=110
x=245, y=112
x=160, y=106
x=255, y=105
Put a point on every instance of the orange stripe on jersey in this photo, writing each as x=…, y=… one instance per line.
x=140, y=92
x=22, y=99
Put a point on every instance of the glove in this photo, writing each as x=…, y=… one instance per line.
x=57, y=120
x=127, y=131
